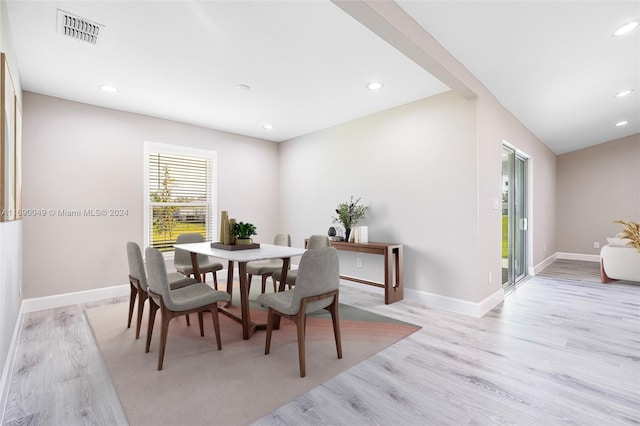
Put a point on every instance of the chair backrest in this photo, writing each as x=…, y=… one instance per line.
x=157, y=273
x=282, y=240
x=318, y=241
x=182, y=257
x=318, y=273
x=136, y=264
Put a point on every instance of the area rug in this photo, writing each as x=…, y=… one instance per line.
x=200, y=385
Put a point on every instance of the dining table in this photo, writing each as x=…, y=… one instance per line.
x=242, y=257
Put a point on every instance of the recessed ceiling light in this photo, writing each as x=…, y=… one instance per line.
x=243, y=87
x=624, y=93
x=630, y=26
x=268, y=126
x=375, y=85
x=108, y=88
x=622, y=123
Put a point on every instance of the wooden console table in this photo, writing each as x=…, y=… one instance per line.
x=393, y=283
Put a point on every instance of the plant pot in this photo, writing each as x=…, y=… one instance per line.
x=244, y=241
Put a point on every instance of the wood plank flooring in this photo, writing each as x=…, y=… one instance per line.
x=561, y=349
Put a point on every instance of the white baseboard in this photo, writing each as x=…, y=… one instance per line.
x=465, y=307
x=579, y=256
x=59, y=300
x=5, y=381
x=437, y=301
x=535, y=270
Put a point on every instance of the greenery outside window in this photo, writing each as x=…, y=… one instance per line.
x=179, y=194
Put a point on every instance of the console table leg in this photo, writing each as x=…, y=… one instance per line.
x=393, y=279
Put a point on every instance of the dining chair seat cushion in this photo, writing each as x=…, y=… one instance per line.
x=204, y=266
x=291, y=276
x=259, y=267
x=194, y=296
x=177, y=280
x=283, y=302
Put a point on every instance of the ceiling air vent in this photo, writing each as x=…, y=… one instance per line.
x=78, y=28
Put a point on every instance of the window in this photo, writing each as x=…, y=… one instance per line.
x=179, y=194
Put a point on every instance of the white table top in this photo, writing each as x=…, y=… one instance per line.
x=266, y=251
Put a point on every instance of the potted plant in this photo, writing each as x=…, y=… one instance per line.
x=349, y=214
x=243, y=232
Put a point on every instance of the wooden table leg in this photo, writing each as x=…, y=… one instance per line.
x=247, y=329
x=283, y=273
x=230, y=282
x=196, y=267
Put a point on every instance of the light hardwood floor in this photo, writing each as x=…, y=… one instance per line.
x=561, y=349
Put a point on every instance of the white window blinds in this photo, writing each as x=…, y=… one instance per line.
x=180, y=195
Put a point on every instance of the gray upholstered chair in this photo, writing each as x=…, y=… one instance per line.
x=266, y=268
x=317, y=287
x=197, y=297
x=182, y=259
x=138, y=283
x=315, y=241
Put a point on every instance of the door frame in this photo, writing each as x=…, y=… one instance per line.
x=528, y=189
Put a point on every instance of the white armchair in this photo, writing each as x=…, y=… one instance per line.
x=619, y=262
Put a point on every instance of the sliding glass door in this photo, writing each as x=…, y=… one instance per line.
x=514, y=217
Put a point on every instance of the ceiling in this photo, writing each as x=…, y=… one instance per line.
x=553, y=64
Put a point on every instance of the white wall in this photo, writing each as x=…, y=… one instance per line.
x=78, y=156
x=495, y=126
x=429, y=171
x=596, y=186
x=415, y=167
x=10, y=232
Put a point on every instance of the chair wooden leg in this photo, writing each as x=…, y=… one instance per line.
x=275, y=288
x=201, y=322
x=267, y=344
x=300, y=325
x=215, y=280
x=166, y=318
x=153, y=307
x=142, y=297
x=249, y=278
x=132, y=301
x=216, y=326
x=333, y=308
x=188, y=321
x=264, y=282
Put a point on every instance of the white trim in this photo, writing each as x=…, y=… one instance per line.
x=535, y=270
x=212, y=200
x=459, y=306
x=7, y=371
x=465, y=307
x=490, y=302
x=579, y=256
x=59, y=300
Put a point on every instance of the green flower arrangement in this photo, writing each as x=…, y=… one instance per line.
x=350, y=213
x=243, y=230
